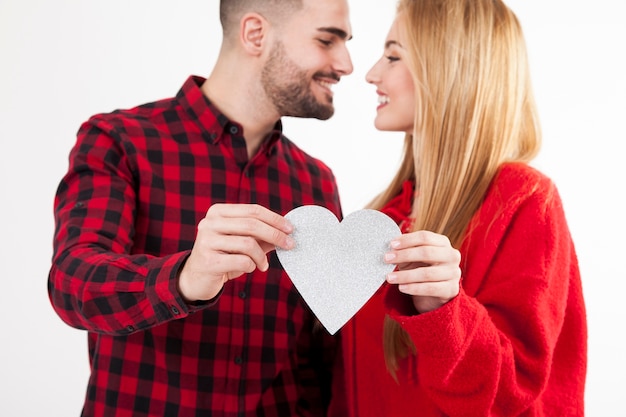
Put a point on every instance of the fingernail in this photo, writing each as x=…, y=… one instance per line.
x=390, y=256
x=290, y=243
x=288, y=227
x=391, y=278
x=394, y=244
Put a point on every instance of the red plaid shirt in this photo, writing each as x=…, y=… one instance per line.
x=138, y=183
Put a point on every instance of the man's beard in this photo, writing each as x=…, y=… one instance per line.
x=288, y=87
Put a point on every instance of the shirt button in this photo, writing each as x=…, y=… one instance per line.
x=238, y=360
x=234, y=130
x=175, y=311
x=242, y=295
x=130, y=328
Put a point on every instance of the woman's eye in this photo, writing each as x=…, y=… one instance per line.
x=392, y=58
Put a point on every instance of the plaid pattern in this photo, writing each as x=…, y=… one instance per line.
x=126, y=212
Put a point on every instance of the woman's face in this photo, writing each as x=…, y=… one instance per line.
x=394, y=86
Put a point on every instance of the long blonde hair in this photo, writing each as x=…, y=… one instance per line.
x=475, y=111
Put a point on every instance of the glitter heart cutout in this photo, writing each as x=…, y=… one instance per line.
x=337, y=266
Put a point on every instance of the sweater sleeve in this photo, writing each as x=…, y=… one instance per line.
x=95, y=283
x=489, y=351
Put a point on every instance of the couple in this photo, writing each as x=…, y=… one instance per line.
x=168, y=214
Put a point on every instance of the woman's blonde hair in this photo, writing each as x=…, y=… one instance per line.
x=475, y=111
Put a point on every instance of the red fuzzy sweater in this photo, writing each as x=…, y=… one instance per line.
x=512, y=343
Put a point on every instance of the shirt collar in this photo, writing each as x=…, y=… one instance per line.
x=215, y=124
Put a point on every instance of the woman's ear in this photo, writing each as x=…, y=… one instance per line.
x=253, y=34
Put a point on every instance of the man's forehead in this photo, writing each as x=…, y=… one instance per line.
x=331, y=16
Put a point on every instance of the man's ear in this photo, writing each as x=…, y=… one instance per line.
x=253, y=34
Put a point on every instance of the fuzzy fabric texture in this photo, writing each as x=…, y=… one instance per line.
x=512, y=343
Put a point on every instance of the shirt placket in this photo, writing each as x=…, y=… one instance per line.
x=238, y=367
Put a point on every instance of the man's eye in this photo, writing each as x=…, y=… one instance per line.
x=325, y=42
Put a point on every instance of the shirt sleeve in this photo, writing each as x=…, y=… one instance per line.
x=490, y=353
x=95, y=282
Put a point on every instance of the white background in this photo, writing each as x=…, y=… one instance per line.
x=62, y=61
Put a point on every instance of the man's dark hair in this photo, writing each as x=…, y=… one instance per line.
x=273, y=10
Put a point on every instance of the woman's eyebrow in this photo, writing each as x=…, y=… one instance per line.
x=391, y=43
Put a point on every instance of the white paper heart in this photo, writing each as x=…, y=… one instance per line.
x=337, y=267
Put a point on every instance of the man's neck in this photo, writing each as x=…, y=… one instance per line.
x=239, y=102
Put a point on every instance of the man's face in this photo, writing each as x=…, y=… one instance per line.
x=308, y=59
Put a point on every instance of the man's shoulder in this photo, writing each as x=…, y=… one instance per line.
x=299, y=156
x=146, y=113
x=157, y=112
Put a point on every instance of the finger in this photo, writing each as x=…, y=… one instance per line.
x=254, y=211
x=267, y=247
x=241, y=245
x=424, y=254
x=234, y=264
x=419, y=238
x=426, y=274
x=441, y=291
x=249, y=226
x=203, y=277
x=255, y=229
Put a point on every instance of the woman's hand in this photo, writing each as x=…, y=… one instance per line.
x=428, y=268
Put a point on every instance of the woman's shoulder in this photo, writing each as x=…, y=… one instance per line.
x=520, y=173
x=521, y=180
x=518, y=185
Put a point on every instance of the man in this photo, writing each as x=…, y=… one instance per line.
x=167, y=216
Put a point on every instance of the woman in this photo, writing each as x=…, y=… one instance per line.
x=497, y=327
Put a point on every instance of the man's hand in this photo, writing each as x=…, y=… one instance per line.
x=232, y=239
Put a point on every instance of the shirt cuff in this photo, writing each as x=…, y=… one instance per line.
x=438, y=333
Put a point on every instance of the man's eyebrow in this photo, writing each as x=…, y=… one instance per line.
x=335, y=31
